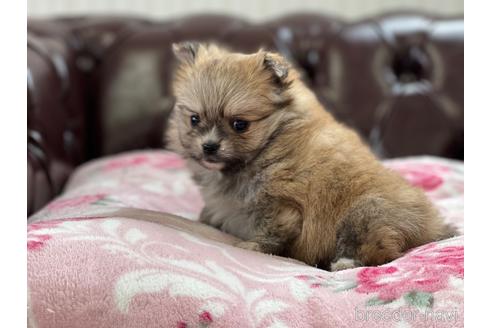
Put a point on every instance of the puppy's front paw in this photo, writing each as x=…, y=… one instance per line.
x=249, y=245
x=343, y=263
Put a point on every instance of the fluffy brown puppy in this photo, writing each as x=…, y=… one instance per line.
x=277, y=170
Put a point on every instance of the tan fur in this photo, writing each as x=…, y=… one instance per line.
x=296, y=183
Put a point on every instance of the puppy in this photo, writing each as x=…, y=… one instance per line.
x=277, y=170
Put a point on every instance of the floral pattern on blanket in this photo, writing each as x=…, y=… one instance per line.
x=148, y=275
x=155, y=180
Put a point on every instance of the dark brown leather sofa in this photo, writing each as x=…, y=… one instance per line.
x=100, y=85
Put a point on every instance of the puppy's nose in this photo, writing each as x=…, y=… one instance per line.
x=210, y=147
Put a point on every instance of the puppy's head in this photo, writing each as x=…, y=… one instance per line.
x=228, y=105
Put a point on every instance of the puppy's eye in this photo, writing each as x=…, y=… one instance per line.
x=240, y=125
x=194, y=119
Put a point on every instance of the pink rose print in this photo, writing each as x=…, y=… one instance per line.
x=126, y=161
x=204, y=319
x=37, y=241
x=420, y=178
x=313, y=281
x=424, y=270
x=165, y=161
x=169, y=162
x=75, y=201
x=422, y=175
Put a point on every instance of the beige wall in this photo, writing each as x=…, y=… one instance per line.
x=252, y=9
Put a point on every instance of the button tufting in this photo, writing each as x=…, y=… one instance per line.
x=68, y=140
x=85, y=63
x=397, y=79
x=411, y=64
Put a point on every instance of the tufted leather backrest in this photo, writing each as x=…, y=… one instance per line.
x=100, y=85
x=56, y=122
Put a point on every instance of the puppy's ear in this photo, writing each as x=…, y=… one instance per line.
x=281, y=76
x=278, y=66
x=186, y=52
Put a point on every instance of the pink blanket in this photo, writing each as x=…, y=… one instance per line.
x=88, y=271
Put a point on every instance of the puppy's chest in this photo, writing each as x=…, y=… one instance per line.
x=231, y=203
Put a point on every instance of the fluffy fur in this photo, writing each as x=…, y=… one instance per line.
x=296, y=183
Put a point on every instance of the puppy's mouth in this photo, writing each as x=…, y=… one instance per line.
x=216, y=163
x=211, y=164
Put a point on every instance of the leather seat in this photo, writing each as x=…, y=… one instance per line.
x=101, y=85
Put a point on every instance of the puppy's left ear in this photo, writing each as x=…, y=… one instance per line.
x=277, y=65
x=186, y=52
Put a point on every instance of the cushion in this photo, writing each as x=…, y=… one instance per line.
x=95, y=259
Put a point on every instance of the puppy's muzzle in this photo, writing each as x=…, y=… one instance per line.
x=210, y=148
